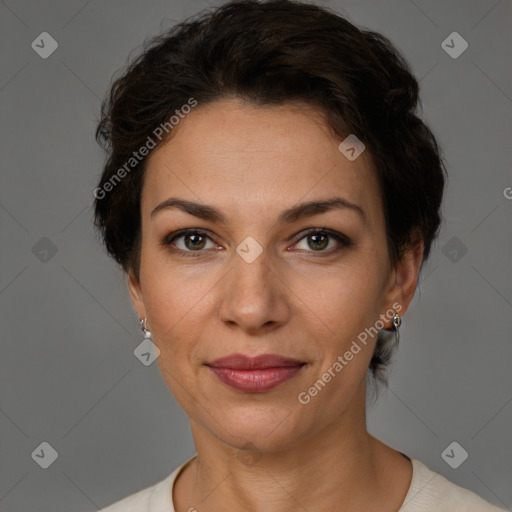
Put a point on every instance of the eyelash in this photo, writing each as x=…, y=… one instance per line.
x=343, y=240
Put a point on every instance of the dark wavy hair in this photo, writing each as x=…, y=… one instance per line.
x=272, y=53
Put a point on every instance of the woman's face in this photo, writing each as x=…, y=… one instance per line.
x=258, y=281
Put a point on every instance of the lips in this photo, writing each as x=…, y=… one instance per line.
x=242, y=362
x=255, y=374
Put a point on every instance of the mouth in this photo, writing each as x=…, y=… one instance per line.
x=255, y=374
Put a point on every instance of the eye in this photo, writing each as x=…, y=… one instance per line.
x=318, y=240
x=188, y=241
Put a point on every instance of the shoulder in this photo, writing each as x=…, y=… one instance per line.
x=432, y=492
x=151, y=498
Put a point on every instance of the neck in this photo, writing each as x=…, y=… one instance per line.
x=342, y=464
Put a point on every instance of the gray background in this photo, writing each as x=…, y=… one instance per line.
x=68, y=375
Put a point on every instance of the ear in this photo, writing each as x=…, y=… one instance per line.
x=136, y=294
x=404, y=279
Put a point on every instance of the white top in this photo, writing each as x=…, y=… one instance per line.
x=428, y=492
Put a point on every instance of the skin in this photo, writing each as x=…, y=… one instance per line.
x=296, y=299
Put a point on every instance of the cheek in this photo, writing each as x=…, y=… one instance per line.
x=175, y=313
x=344, y=306
x=172, y=293
x=179, y=309
x=344, y=298
x=347, y=308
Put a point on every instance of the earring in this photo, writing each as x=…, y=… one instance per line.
x=396, y=322
x=144, y=327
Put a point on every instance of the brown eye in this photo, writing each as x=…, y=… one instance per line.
x=317, y=240
x=194, y=241
x=188, y=241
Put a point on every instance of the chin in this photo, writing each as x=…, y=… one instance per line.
x=268, y=428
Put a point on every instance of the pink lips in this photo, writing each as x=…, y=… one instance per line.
x=255, y=374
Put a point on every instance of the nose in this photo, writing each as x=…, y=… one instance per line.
x=253, y=297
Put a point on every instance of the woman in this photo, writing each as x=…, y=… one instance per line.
x=272, y=197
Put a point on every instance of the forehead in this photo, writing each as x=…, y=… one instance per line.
x=243, y=156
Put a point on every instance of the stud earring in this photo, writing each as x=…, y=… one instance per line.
x=396, y=323
x=144, y=327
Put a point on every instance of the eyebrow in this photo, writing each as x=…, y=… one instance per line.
x=288, y=216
